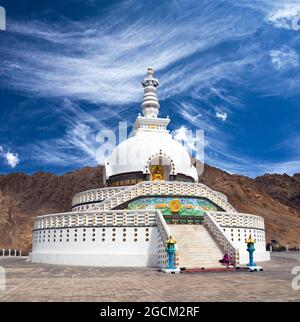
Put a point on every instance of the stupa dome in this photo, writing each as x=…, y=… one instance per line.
x=139, y=152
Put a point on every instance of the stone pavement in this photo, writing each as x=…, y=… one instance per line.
x=39, y=282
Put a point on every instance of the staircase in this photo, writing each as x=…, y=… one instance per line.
x=196, y=247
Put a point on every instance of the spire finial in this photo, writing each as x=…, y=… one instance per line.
x=150, y=103
x=150, y=70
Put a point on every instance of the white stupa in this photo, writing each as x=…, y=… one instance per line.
x=151, y=193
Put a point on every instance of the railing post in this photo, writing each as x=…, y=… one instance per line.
x=3, y=252
x=20, y=252
x=15, y=253
x=9, y=252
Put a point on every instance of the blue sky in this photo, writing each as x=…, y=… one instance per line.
x=71, y=68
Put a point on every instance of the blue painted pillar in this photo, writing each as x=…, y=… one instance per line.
x=250, y=249
x=171, y=253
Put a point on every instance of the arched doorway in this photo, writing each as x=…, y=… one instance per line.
x=160, y=167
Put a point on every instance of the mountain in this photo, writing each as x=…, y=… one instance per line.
x=283, y=188
x=23, y=197
x=246, y=195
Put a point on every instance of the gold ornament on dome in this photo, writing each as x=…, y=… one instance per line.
x=175, y=205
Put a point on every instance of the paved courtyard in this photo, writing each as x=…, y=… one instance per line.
x=38, y=282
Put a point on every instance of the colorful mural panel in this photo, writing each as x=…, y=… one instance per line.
x=171, y=205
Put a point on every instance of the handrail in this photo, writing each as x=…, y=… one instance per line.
x=221, y=238
x=157, y=186
x=104, y=190
x=97, y=218
x=165, y=232
x=242, y=220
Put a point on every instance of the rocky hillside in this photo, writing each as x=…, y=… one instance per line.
x=283, y=188
x=246, y=195
x=23, y=197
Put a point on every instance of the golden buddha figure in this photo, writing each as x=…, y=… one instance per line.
x=156, y=173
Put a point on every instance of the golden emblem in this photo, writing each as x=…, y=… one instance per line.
x=175, y=205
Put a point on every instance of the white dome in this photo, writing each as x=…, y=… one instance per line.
x=136, y=153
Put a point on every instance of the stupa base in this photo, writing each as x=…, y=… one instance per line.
x=255, y=268
x=171, y=270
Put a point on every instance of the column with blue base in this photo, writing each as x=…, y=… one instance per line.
x=251, y=249
x=171, y=250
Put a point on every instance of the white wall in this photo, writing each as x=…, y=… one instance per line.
x=238, y=235
x=96, y=246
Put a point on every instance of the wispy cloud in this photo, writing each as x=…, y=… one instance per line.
x=284, y=58
x=78, y=145
x=108, y=58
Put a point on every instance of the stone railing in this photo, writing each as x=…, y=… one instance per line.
x=227, y=219
x=97, y=218
x=220, y=238
x=95, y=195
x=164, y=234
x=171, y=188
x=10, y=252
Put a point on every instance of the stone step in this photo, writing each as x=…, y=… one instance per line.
x=199, y=256
x=199, y=262
x=196, y=247
x=199, y=248
x=193, y=255
x=215, y=260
